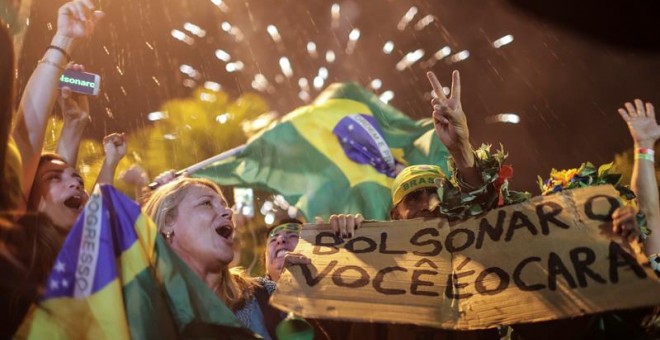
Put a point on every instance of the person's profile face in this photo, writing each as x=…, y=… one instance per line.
x=423, y=203
x=59, y=192
x=203, y=231
x=280, y=243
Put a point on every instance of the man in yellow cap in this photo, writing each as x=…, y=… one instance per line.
x=415, y=192
x=415, y=189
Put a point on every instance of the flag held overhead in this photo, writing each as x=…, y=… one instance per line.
x=337, y=155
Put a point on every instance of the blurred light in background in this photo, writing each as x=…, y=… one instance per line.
x=311, y=49
x=318, y=82
x=157, y=115
x=409, y=59
x=260, y=83
x=194, y=29
x=234, y=66
x=274, y=33
x=441, y=53
x=460, y=56
x=386, y=96
x=304, y=96
x=232, y=30
x=223, y=7
x=407, y=18
x=285, y=65
x=207, y=97
x=222, y=55
x=388, y=47
x=510, y=118
x=212, y=86
x=335, y=14
x=304, y=84
x=323, y=72
x=178, y=35
x=352, y=40
x=223, y=118
x=330, y=56
x=187, y=69
x=376, y=84
x=505, y=40
x=423, y=22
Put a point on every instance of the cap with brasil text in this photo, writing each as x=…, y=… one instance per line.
x=413, y=178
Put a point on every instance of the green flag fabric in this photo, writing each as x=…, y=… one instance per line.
x=337, y=155
x=115, y=278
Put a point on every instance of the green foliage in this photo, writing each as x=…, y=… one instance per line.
x=196, y=128
x=458, y=204
x=586, y=175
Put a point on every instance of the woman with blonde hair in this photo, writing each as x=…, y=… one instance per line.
x=193, y=216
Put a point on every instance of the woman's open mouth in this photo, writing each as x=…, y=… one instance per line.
x=74, y=202
x=225, y=231
x=281, y=253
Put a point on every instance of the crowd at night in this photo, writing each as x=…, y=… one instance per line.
x=329, y=170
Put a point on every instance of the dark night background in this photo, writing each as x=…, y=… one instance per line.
x=570, y=66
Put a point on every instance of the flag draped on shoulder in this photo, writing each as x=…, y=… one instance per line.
x=337, y=155
x=116, y=278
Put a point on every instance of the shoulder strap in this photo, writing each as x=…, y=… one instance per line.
x=272, y=316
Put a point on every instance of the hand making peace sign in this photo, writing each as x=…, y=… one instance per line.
x=448, y=116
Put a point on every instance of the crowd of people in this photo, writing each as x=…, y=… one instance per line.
x=43, y=195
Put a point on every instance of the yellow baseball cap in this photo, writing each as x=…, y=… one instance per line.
x=413, y=178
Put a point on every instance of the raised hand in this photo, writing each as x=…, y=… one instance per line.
x=624, y=223
x=77, y=19
x=74, y=107
x=165, y=177
x=291, y=259
x=135, y=175
x=643, y=127
x=343, y=225
x=114, y=146
x=448, y=116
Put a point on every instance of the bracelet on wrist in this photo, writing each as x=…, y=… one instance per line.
x=645, y=156
x=48, y=62
x=61, y=50
x=647, y=151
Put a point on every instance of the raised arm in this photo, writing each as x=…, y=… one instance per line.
x=137, y=177
x=451, y=127
x=75, y=21
x=114, y=146
x=645, y=131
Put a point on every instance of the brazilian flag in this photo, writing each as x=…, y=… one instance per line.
x=115, y=278
x=337, y=155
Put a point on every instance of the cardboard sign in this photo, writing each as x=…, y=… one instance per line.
x=548, y=258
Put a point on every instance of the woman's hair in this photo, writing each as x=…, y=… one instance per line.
x=28, y=249
x=235, y=287
x=46, y=157
x=6, y=101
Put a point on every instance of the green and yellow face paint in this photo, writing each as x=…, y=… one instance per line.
x=284, y=228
